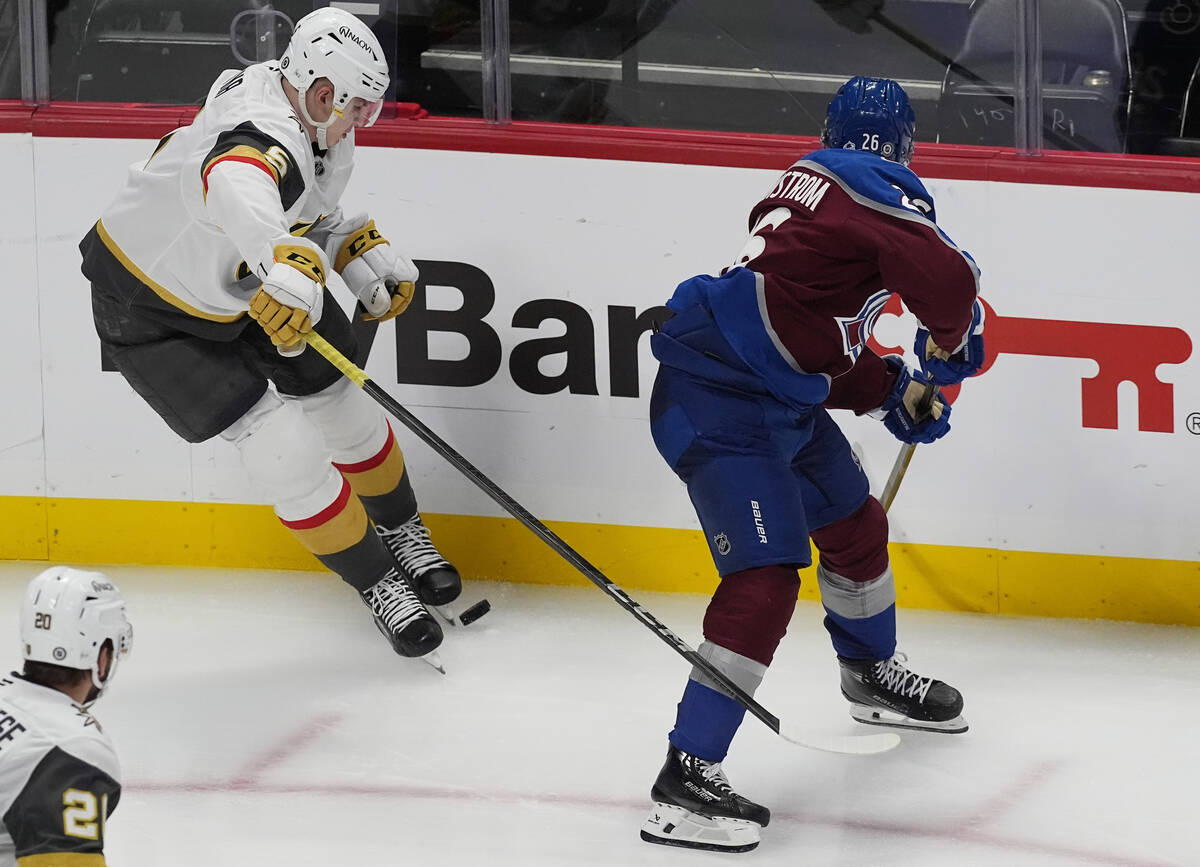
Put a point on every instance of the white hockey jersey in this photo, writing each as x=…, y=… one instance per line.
x=198, y=221
x=59, y=776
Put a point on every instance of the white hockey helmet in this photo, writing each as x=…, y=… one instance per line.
x=66, y=617
x=334, y=44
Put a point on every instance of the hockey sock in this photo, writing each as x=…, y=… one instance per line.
x=856, y=583
x=859, y=615
x=341, y=537
x=286, y=459
x=365, y=450
x=706, y=718
x=381, y=482
x=744, y=623
x=705, y=722
x=750, y=611
x=855, y=546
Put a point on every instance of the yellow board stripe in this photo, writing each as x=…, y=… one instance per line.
x=161, y=291
x=936, y=577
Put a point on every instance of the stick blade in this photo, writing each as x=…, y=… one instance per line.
x=856, y=745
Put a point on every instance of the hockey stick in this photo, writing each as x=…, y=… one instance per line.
x=900, y=467
x=860, y=744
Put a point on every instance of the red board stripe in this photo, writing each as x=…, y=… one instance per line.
x=687, y=147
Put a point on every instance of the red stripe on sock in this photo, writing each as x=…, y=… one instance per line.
x=373, y=461
x=326, y=514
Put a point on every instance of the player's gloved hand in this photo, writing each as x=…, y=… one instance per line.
x=288, y=303
x=381, y=278
x=913, y=412
x=944, y=368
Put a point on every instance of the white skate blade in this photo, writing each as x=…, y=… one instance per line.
x=857, y=745
x=432, y=658
x=876, y=716
x=670, y=825
x=447, y=613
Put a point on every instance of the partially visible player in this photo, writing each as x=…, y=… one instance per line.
x=59, y=776
x=749, y=363
x=234, y=220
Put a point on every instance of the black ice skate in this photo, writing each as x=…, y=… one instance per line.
x=695, y=807
x=435, y=580
x=401, y=617
x=884, y=692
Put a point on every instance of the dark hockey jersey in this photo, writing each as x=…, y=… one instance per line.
x=838, y=233
x=59, y=778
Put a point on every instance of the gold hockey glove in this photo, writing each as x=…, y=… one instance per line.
x=288, y=303
x=381, y=278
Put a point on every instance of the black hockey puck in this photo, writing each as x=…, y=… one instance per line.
x=473, y=613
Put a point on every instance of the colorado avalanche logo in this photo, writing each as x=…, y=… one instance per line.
x=921, y=206
x=857, y=328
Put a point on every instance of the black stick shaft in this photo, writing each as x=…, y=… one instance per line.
x=523, y=515
x=568, y=553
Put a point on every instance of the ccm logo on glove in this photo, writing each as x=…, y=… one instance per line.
x=383, y=280
x=288, y=303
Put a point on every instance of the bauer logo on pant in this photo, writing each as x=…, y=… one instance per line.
x=758, y=522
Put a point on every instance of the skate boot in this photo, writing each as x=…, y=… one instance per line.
x=695, y=807
x=401, y=617
x=884, y=692
x=435, y=580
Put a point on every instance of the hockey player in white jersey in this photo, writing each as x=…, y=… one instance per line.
x=59, y=776
x=236, y=218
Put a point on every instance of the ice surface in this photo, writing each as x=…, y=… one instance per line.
x=262, y=720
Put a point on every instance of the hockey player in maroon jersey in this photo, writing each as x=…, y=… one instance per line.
x=59, y=775
x=749, y=363
x=236, y=218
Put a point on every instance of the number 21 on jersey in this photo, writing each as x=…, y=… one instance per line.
x=81, y=817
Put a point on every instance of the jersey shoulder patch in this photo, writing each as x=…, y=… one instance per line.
x=247, y=143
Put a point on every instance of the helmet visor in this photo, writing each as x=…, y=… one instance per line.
x=362, y=113
x=371, y=112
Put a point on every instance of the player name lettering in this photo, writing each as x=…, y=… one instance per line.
x=802, y=187
x=9, y=727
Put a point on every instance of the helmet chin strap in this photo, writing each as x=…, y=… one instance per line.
x=98, y=685
x=322, y=127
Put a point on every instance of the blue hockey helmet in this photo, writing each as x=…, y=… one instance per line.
x=871, y=114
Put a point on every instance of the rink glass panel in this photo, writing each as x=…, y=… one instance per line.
x=1115, y=76
x=12, y=51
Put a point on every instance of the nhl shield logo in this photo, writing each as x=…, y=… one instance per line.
x=722, y=543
